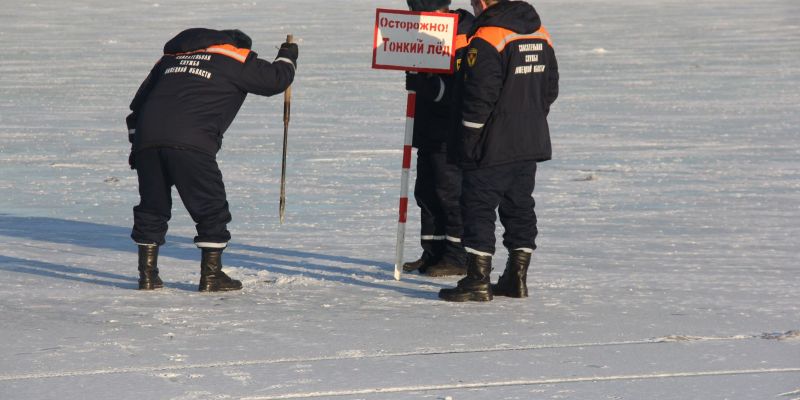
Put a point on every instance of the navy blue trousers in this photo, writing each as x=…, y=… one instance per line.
x=198, y=180
x=437, y=191
x=507, y=188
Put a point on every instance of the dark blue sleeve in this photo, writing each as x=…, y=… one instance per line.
x=141, y=96
x=266, y=78
x=483, y=82
x=552, y=78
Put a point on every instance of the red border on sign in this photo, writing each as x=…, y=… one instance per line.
x=407, y=12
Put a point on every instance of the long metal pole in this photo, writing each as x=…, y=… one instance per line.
x=401, y=224
x=287, y=108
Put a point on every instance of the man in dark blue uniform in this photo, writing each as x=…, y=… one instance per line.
x=438, y=185
x=510, y=81
x=178, y=119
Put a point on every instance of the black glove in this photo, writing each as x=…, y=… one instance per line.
x=426, y=85
x=290, y=51
x=471, y=145
x=132, y=159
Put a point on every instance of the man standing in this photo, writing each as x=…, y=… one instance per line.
x=179, y=116
x=510, y=81
x=438, y=183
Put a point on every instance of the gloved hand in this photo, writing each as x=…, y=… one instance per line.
x=471, y=145
x=426, y=85
x=414, y=81
x=290, y=51
x=131, y=138
x=132, y=159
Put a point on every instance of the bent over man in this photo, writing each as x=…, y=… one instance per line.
x=438, y=185
x=510, y=81
x=178, y=119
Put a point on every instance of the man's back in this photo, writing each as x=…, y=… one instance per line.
x=194, y=92
x=511, y=80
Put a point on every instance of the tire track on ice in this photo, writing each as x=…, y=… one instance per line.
x=350, y=355
x=532, y=382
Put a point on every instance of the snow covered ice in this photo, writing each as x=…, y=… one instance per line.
x=669, y=217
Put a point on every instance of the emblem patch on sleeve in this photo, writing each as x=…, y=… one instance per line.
x=472, y=57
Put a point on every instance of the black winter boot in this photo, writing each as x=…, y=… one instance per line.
x=148, y=268
x=432, y=251
x=446, y=268
x=475, y=286
x=212, y=279
x=513, y=282
x=453, y=262
x=426, y=260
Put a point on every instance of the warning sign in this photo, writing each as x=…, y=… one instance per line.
x=414, y=41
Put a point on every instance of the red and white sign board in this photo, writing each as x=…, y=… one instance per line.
x=414, y=41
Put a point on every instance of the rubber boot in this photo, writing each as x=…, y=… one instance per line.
x=148, y=268
x=475, y=286
x=212, y=279
x=513, y=282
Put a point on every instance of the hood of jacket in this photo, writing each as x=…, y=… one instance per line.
x=194, y=39
x=517, y=16
x=465, y=21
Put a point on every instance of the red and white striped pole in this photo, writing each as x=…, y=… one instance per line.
x=401, y=223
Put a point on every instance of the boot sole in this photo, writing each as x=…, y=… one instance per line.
x=464, y=297
x=513, y=293
x=207, y=290
x=150, y=286
x=421, y=269
x=434, y=274
x=217, y=289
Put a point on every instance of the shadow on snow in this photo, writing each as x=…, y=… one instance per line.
x=109, y=237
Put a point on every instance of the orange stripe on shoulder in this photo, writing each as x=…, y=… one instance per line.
x=461, y=41
x=494, y=35
x=223, y=49
x=500, y=37
x=229, y=51
x=545, y=34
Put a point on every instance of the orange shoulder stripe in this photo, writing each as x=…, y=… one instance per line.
x=461, y=41
x=500, y=37
x=223, y=49
x=230, y=51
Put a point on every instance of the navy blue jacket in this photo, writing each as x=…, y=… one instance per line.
x=193, y=93
x=510, y=79
x=434, y=107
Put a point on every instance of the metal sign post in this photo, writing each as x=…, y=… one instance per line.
x=416, y=42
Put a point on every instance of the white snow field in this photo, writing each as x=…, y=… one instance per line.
x=669, y=217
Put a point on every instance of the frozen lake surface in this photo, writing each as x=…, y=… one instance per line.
x=670, y=216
